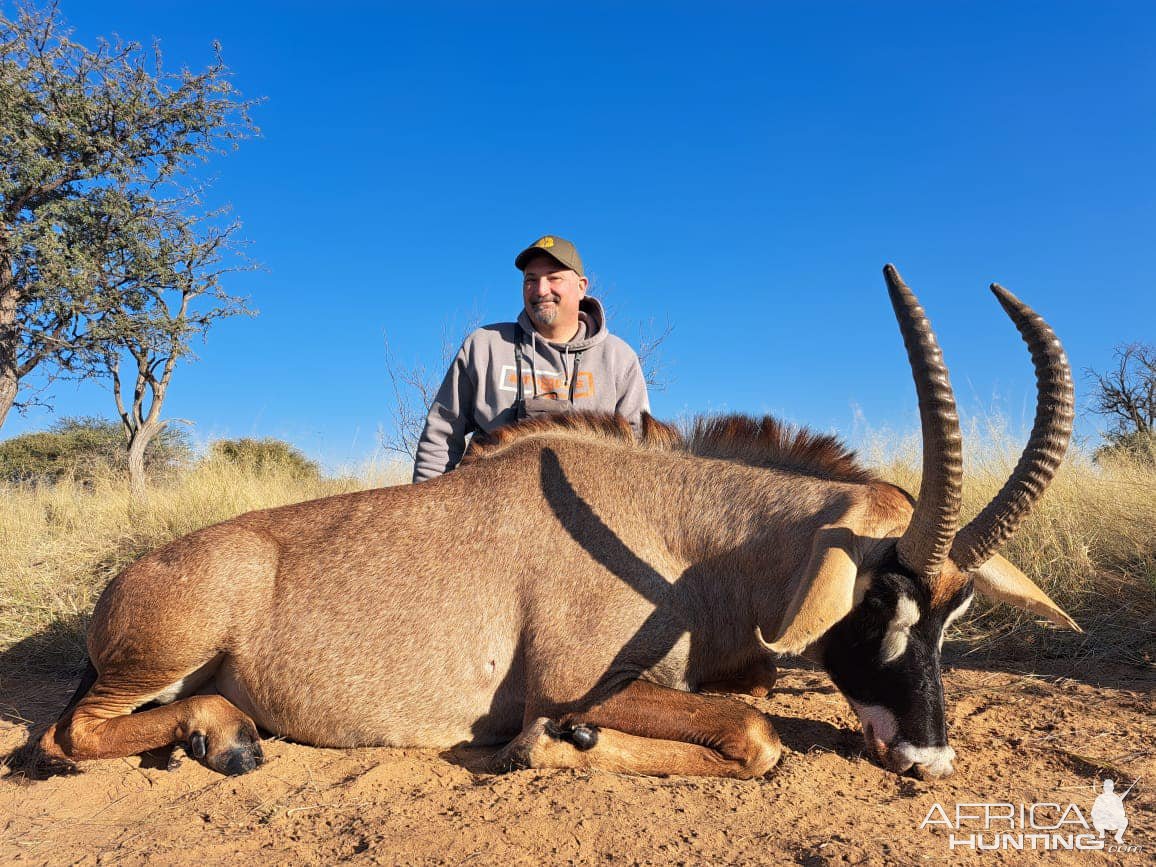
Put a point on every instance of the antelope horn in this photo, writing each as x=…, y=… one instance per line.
x=926, y=542
x=1052, y=428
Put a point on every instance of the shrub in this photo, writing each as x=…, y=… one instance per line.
x=84, y=448
x=1139, y=446
x=265, y=456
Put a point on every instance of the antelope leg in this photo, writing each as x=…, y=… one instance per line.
x=102, y=726
x=757, y=679
x=650, y=729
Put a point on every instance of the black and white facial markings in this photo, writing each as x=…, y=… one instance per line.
x=884, y=657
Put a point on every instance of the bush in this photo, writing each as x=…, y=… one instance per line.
x=83, y=448
x=1139, y=446
x=265, y=455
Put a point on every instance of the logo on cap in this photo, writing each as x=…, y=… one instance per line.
x=545, y=243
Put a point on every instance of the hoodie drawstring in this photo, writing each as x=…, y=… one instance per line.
x=533, y=369
x=569, y=372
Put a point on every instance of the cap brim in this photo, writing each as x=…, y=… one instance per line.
x=530, y=252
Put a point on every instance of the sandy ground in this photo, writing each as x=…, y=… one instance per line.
x=1043, y=737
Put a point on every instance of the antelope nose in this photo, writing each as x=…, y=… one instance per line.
x=934, y=762
x=926, y=763
x=932, y=771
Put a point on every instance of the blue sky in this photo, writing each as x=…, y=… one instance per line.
x=739, y=170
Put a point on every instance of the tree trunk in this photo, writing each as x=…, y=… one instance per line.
x=9, y=344
x=139, y=441
x=9, y=385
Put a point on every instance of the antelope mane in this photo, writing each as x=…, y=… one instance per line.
x=760, y=442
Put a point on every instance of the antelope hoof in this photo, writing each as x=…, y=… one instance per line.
x=582, y=736
x=43, y=765
x=545, y=743
x=44, y=758
x=239, y=755
x=518, y=754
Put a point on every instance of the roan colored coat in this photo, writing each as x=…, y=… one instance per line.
x=569, y=588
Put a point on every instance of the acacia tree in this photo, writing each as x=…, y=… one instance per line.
x=168, y=291
x=1126, y=395
x=80, y=130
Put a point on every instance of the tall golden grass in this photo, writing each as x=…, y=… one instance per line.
x=60, y=544
x=1091, y=544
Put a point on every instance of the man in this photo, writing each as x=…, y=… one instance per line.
x=559, y=356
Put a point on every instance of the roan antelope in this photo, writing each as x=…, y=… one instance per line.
x=568, y=589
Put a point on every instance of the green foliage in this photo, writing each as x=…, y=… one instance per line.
x=100, y=220
x=85, y=448
x=265, y=455
x=1136, y=446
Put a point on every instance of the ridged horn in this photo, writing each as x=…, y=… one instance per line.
x=926, y=542
x=1055, y=410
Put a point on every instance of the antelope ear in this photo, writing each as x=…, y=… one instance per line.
x=824, y=596
x=998, y=579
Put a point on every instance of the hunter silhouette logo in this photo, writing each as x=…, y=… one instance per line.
x=1108, y=811
x=1046, y=826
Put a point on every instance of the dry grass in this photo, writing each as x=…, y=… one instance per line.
x=1091, y=544
x=60, y=544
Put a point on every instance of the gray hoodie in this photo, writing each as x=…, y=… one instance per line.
x=600, y=372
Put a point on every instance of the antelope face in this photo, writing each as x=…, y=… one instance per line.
x=884, y=657
x=878, y=629
x=884, y=654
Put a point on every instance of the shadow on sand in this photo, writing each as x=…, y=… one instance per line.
x=38, y=673
x=37, y=677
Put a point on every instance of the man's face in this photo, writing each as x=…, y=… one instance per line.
x=551, y=292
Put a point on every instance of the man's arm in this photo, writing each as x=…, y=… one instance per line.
x=450, y=420
x=633, y=400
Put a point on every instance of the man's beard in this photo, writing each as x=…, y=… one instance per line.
x=543, y=314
